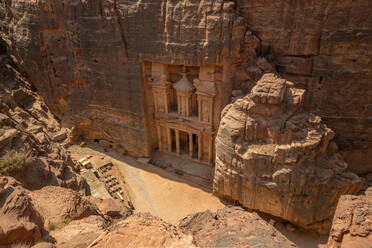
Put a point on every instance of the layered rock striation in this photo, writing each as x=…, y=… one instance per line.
x=30, y=133
x=352, y=223
x=273, y=156
x=143, y=230
x=19, y=220
x=86, y=57
x=232, y=227
x=324, y=47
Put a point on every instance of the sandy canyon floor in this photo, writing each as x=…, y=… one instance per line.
x=169, y=196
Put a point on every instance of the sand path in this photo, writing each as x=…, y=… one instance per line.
x=171, y=198
x=154, y=190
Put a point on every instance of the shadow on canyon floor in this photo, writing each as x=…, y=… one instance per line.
x=93, y=148
x=172, y=197
x=154, y=190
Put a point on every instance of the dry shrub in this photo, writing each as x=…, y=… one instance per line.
x=11, y=162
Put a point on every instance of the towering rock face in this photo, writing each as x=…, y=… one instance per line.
x=29, y=127
x=85, y=57
x=274, y=157
x=324, y=47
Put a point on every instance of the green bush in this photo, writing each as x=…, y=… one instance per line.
x=51, y=227
x=11, y=162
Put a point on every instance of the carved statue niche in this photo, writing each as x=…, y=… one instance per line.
x=205, y=91
x=184, y=90
x=161, y=90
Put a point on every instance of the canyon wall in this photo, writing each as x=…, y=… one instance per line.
x=85, y=58
x=324, y=47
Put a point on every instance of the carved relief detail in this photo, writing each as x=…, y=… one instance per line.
x=184, y=111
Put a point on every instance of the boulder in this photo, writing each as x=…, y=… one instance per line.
x=273, y=156
x=59, y=206
x=19, y=220
x=111, y=208
x=79, y=233
x=143, y=230
x=49, y=171
x=352, y=223
x=232, y=227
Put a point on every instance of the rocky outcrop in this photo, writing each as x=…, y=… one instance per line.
x=232, y=227
x=79, y=233
x=73, y=221
x=111, y=208
x=50, y=171
x=28, y=127
x=19, y=220
x=352, y=223
x=59, y=206
x=70, y=220
x=143, y=230
x=274, y=157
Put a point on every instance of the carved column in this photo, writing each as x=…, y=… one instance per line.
x=187, y=108
x=166, y=100
x=210, y=150
x=211, y=112
x=179, y=105
x=199, y=147
x=200, y=109
x=156, y=101
x=191, y=148
x=169, y=139
x=159, y=136
x=178, y=142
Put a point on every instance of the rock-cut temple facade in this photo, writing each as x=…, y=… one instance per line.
x=182, y=110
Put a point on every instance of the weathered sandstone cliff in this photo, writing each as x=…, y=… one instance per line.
x=324, y=47
x=85, y=58
x=30, y=132
x=274, y=157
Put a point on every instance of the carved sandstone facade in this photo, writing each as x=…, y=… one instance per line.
x=182, y=109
